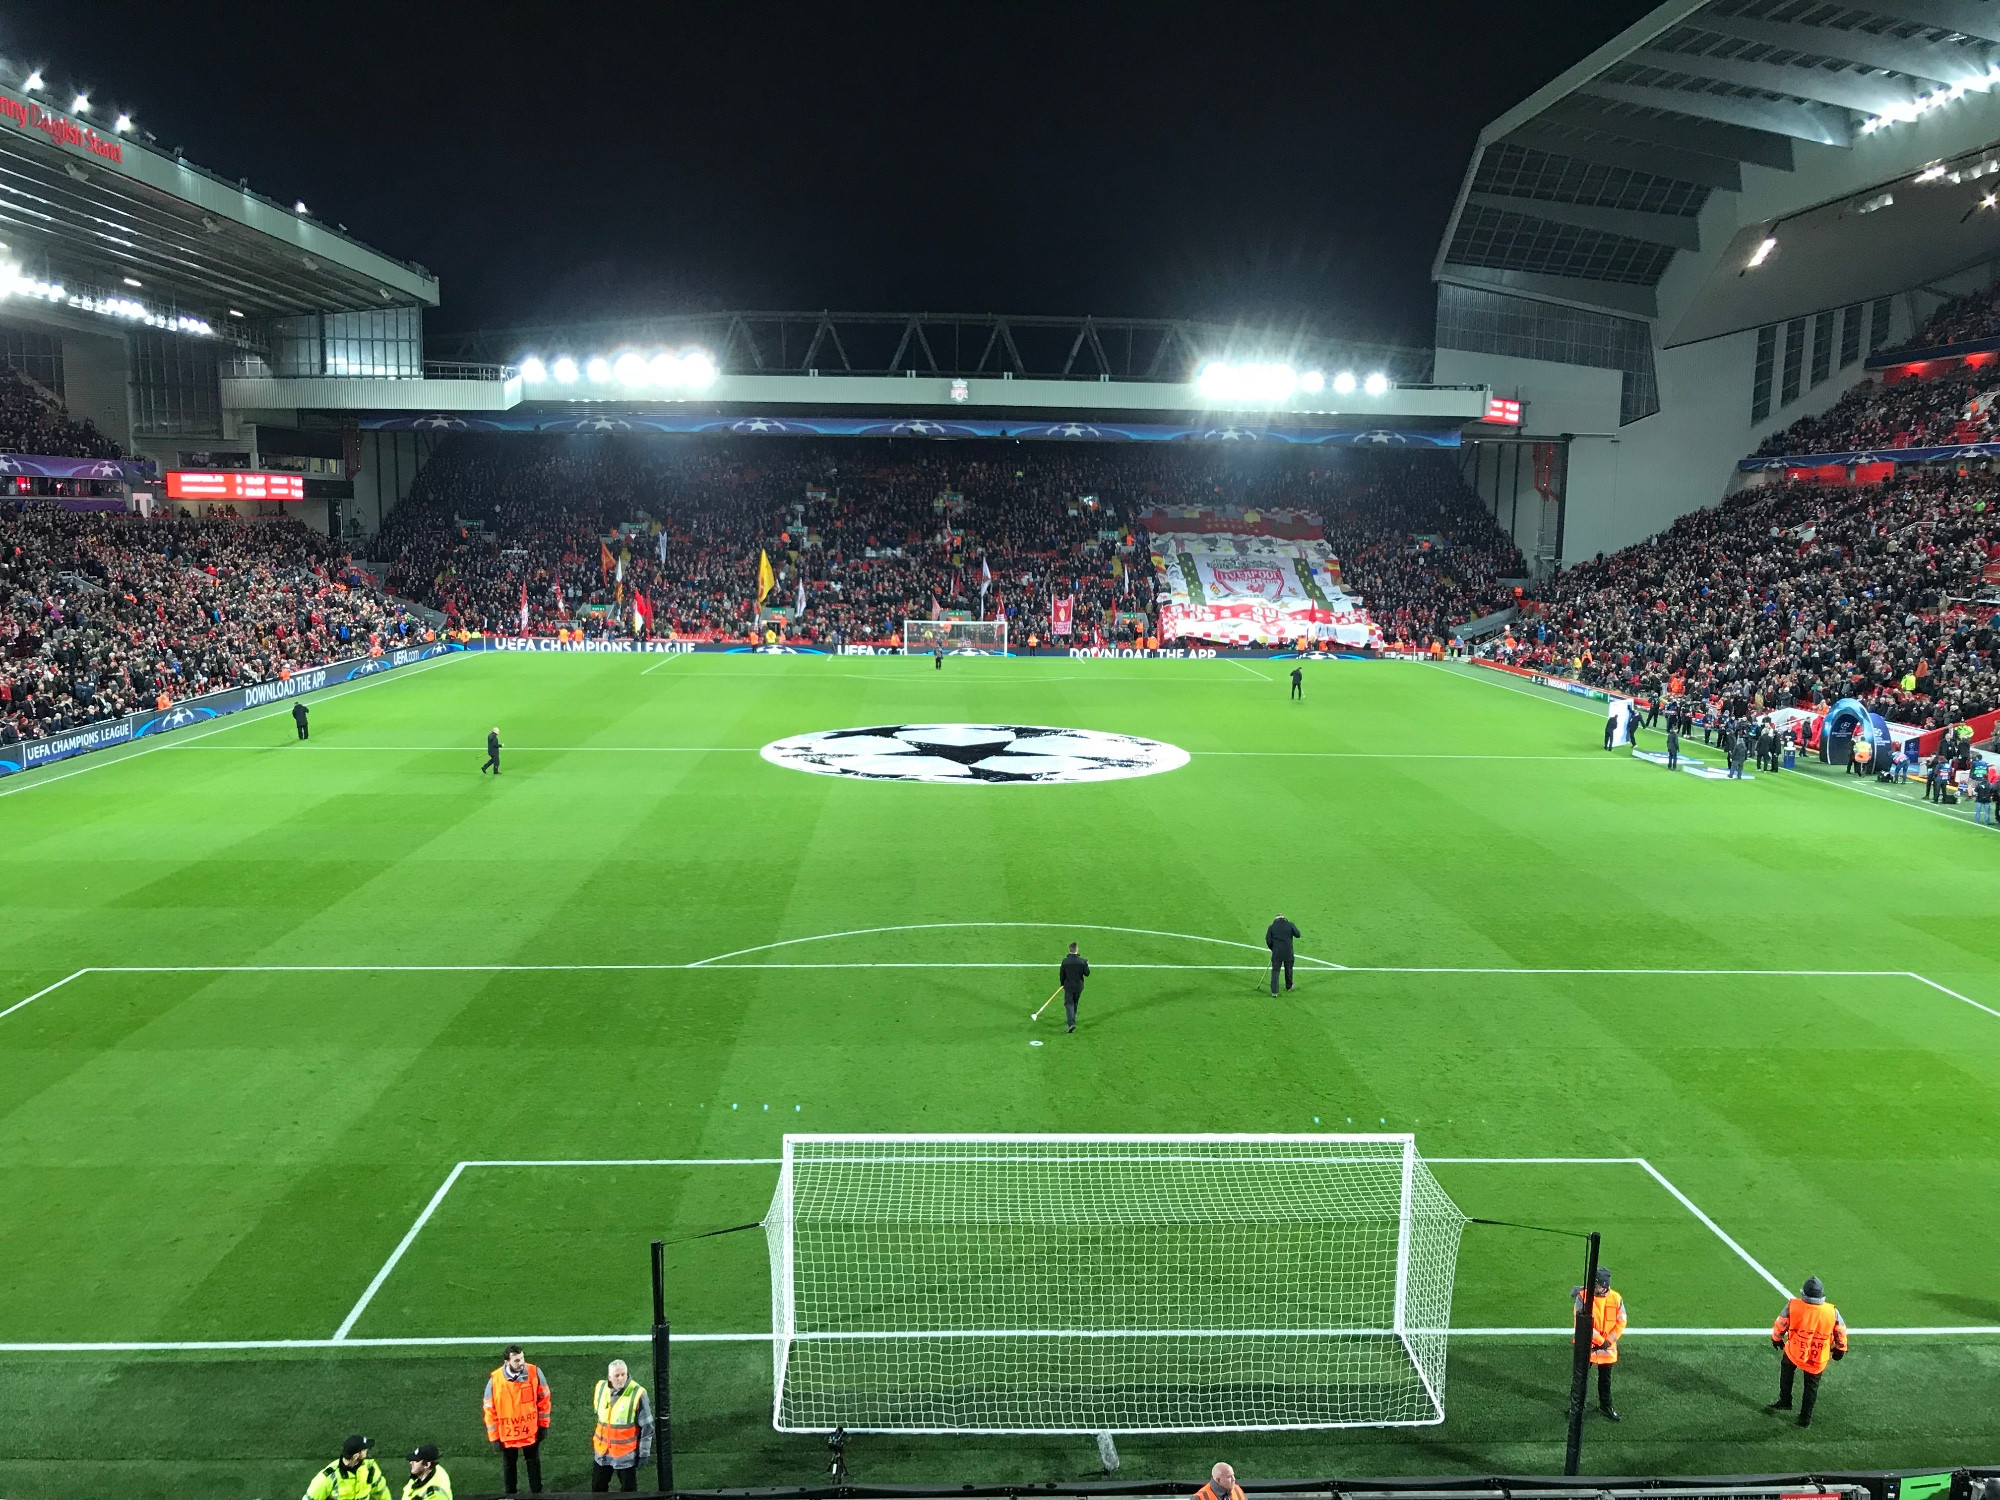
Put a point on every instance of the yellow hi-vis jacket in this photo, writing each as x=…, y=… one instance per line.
x=623, y=1437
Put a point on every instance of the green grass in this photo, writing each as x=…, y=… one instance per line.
x=230, y=1151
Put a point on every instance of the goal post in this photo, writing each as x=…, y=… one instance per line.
x=983, y=637
x=1108, y=1283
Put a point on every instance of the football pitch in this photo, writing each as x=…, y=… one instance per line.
x=326, y=1069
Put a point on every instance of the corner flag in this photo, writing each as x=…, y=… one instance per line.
x=766, y=580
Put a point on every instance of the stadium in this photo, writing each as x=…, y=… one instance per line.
x=563, y=841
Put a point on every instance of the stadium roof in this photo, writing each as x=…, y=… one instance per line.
x=88, y=205
x=1590, y=189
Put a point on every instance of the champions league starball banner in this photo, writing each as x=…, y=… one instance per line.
x=574, y=420
x=1244, y=590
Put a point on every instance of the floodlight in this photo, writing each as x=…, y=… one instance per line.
x=598, y=368
x=1377, y=384
x=131, y=281
x=1931, y=173
x=34, y=82
x=533, y=370
x=1763, y=252
x=80, y=105
x=564, y=369
x=1213, y=378
x=665, y=368
x=1344, y=382
x=698, y=369
x=235, y=313
x=630, y=369
x=299, y=207
x=1312, y=382
x=121, y=125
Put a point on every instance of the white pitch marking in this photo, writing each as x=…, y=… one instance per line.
x=397, y=1254
x=51, y=989
x=233, y=721
x=1911, y=972
x=1689, y=1204
x=1493, y=680
x=1236, y=662
x=822, y=937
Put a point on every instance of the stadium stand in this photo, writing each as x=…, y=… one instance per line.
x=101, y=615
x=1955, y=408
x=489, y=515
x=1963, y=320
x=32, y=420
x=1792, y=594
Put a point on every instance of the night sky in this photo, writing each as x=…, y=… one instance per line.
x=1269, y=163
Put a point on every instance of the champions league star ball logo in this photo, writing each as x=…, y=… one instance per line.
x=962, y=754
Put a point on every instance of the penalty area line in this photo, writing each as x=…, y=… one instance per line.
x=48, y=990
x=551, y=1340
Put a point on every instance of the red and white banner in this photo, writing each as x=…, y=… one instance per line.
x=1062, y=614
x=1255, y=590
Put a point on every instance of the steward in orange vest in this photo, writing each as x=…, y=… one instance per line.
x=1809, y=1332
x=1221, y=1485
x=1607, y=1323
x=517, y=1415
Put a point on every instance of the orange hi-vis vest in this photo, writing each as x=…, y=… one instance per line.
x=516, y=1410
x=1810, y=1332
x=1607, y=1322
x=616, y=1435
x=1207, y=1492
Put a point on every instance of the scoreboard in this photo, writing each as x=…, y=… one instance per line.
x=233, y=484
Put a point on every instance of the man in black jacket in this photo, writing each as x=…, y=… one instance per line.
x=1279, y=937
x=492, y=753
x=299, y=717
x=1075, y=969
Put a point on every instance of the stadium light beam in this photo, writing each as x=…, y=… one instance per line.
x=631, y=369
x=1376, y=384
x=1312, y=382
x=598, y=368
x=533, y=370
x=698, y=369
x=1246, y=384
x=564, y=370
x=1343, y=383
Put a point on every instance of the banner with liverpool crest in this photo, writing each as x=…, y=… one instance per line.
x=1262, y=590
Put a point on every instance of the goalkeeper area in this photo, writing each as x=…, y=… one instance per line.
x=955, y=637
x=1108, y=1283
x=328, y=1068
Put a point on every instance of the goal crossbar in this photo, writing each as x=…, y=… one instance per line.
x=1100, y=1282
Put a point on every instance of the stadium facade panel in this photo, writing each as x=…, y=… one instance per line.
x=1695, y=236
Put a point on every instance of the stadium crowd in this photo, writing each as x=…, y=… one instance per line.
x=1787, y=595
x=1963, y=320
x=1955, y=408
x=33, y=421
x=103, y=615
x=873, y=534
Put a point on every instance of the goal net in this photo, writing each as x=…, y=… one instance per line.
x=1108, y=1283
x=921, y=637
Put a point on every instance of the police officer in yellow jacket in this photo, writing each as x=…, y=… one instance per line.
x=1607, y=1325
x=428, y=1480
x=1808, y=1333
x=354, y=1476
